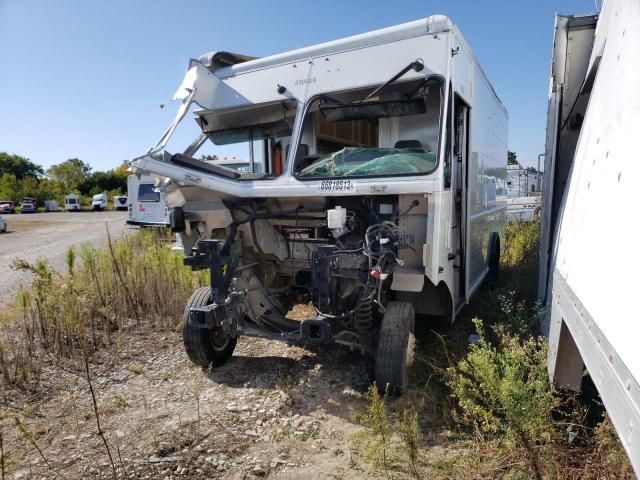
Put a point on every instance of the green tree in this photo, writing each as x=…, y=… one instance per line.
x=10, y=188
x=512, y=158
x=19, y=166
x=30, y=187
x=110, y=181
x=69, y=174
x=123, y=169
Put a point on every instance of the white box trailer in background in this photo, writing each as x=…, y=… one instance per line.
x=147, y=207
x=383, y=155
x=51, y=206
x=589, y=256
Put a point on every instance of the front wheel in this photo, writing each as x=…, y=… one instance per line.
x=394, y=354
x=205, y=346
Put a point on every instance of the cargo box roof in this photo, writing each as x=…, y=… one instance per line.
x=226, y=64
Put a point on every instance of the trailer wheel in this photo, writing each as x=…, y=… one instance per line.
x=394, y=354
x=205, y=347
x=493, y=257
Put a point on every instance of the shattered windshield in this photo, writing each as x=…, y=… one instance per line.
x=394, y=133
x=351, y=162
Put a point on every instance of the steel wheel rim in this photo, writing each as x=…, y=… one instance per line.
x=219, y=340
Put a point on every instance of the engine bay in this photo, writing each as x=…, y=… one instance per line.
x=335, y=255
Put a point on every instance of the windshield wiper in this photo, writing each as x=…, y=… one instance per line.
x=416, y=65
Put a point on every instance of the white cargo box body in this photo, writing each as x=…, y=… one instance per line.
x=589, y=255
x=367, y=61
x=51, y=206
x=146, y=205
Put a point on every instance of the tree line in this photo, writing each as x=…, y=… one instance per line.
x=20, y=177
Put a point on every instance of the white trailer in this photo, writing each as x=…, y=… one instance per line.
x=51, y=206
x=523, y=182
x=524, y=208
x=589, y=259
x=376, y=188
x=147, y=207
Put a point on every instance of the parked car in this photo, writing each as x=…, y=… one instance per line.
x=72, y=202
x=7, y=206
x=28, y=206
x=3, y=224
x=99, y=202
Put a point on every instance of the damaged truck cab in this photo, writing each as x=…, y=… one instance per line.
x=375, y=188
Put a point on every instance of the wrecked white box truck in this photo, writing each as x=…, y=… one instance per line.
x=382, y=164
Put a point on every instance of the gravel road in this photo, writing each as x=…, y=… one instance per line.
x=49, y=235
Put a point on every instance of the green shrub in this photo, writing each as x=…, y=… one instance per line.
x=378, y=422
x=504, y=392
x=520, y=259
x=135, y=282
x=521, y=243
x=392, y=437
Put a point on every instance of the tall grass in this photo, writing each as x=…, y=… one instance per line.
x=493, y=396
x=136, y=282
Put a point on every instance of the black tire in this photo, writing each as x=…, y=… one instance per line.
x=493, y=259
x=394, y=354
x=205, y=347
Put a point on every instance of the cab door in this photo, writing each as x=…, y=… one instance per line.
x=459, y=165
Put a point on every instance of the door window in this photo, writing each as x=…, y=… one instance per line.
x=147, y=193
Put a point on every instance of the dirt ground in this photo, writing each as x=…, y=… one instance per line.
x=273, y=410
x=49, y=235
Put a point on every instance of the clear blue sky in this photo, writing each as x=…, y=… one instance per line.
x=85, y=78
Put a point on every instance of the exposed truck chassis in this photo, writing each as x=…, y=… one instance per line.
x=346, y=284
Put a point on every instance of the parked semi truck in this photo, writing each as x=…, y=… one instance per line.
x=375, y=191
x=99, y=202
x=588, y=255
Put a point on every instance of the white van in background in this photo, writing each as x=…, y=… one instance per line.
x=99, y=202
x=147, y=207
x=120, y=202
x=72, y=202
